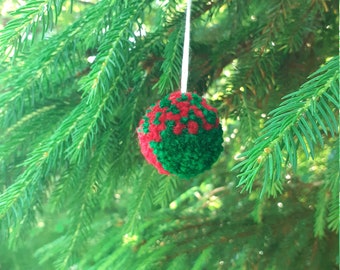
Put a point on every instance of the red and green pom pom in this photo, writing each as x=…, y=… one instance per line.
x=180, y=135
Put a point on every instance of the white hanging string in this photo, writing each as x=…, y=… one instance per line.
x=185, y=59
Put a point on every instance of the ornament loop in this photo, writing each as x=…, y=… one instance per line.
x=185, y=59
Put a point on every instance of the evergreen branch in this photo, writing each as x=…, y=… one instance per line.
x=179, y=262
x=284, y=246
x=69, y=123
x=98, y=253
x=66, y=185
x=84, y=131
x=84, y=196
x=113, y=52
x=293, y=124
x=203, y=259
x=275, y=29
x=165, y=191
x=64, y=261
x=62, y=250
x=142, y=200
x=37, y=166
x=249, y=122
x=117, y=260
x=187, y=235
x=327, y=206
x=333, y=217
x=103, y=100
x=171, y=67
x=122, y=147
x=95, y=173
x=52, y=149
x=59, y=57
x=18, y=32
x=72, y=162
x=23, y=121
x=21, y=134
x=15, y=194
x=57, y=245
x=321, y=213
x=33, y=84
x=171, y=21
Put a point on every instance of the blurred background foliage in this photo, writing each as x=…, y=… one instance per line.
x=75, y=78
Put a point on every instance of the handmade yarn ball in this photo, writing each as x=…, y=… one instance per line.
x=180, y=135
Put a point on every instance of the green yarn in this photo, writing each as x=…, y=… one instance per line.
x=146, y=125
x=164, y=103
x=156, y=121
x=194, y=153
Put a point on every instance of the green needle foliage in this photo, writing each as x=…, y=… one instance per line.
x=77, y=76
x=297, y=122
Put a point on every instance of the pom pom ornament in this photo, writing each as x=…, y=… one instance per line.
x=180, y=135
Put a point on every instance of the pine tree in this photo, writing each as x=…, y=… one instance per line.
x=76, y=77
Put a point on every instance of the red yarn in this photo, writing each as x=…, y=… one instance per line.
x=193, y=127
x=178, y=128
x=144, y=140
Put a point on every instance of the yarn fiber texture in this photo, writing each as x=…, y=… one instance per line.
x=180, y=135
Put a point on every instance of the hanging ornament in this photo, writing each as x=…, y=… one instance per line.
x=181, y=133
